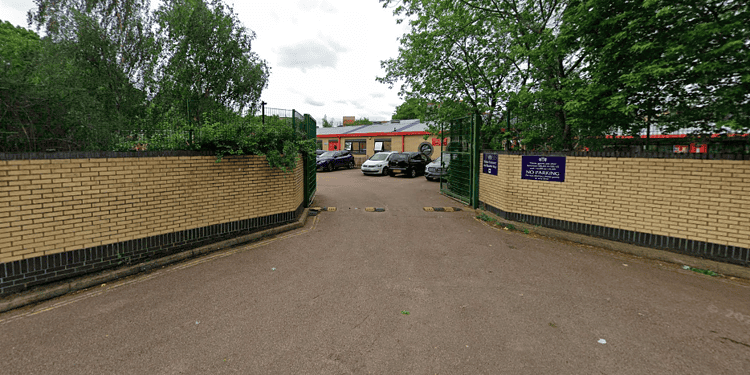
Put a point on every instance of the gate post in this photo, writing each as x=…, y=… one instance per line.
x=309, y=164
x=476, y=126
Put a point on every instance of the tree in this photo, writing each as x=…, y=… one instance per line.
x=326, y=123
x=64, y=95
x=412, y=108
x=676, y=65
x=19, y=50
x=98, y=57
x=126, y=26
x=454, y=54
x=552, y=60
x=208, y=62
x=360, y=121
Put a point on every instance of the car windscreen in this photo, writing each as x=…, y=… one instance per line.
x=379, y=157
x=399, y=157
x=327, y=154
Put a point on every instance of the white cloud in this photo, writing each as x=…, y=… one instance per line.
x=14, y=11
x=310, y=54
x=322, y=5
x=313, y=102
x=19, y=5
x=320, y=52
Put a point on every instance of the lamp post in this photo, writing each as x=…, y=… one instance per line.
x=263, y=112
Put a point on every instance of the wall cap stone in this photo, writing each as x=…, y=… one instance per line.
x=618, y=154
x=99, y=154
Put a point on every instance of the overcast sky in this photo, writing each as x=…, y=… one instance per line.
x=324, y=54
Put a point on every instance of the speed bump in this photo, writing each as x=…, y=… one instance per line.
x=330, y=208
x=374, y=209
x=442, y=209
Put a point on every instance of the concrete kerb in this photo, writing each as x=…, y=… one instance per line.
x=43, y=293
x=725, y=269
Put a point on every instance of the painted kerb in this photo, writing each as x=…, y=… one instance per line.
x=694, y=206
x=66, y=217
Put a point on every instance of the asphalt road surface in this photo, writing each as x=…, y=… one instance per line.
x=405, y=291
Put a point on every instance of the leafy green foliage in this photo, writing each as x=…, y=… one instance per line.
x=125, y=26
x=453, y=54
x=412, y=108
x=115, y=75
x=560, y=75
x=673, y=65
x=208, y=61
x=65, y=96
x=701, y=270
x=276, y=139
x=18, y=48
x=326, y=123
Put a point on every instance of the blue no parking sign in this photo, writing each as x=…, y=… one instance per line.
x=543, y=168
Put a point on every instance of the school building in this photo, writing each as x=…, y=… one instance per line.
x=363, y=141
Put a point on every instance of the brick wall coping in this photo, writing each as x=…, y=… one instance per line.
x=614, y=154
x=99, y=154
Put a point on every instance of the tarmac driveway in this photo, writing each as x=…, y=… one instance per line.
x=400, y=291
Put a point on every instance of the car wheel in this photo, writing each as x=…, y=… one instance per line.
x=413, y=173
x=391, y=173
x=351, y=164
x=330, y=167
x=385, y=171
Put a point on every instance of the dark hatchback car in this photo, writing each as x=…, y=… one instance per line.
x=410, y=163
x=331, y=160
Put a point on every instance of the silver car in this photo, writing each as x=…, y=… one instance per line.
x=437, y=168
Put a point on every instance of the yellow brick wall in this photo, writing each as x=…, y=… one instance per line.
x=703, y=200
x=52, y=206
x=412, y=142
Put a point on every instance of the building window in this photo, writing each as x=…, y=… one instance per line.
x=356, y=146
x=382, y=144
x=319, y=144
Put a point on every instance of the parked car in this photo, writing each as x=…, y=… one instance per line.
x=331, y=160
x=409, y=163
x=377, y=164
x=319, y=152
x=437, y=168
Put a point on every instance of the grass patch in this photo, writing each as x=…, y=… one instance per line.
x=494, y=222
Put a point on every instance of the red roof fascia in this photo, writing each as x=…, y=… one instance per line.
x=662, y=136
x=370, y=134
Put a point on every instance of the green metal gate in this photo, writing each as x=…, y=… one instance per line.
x=307, y=125
x=462, y=154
